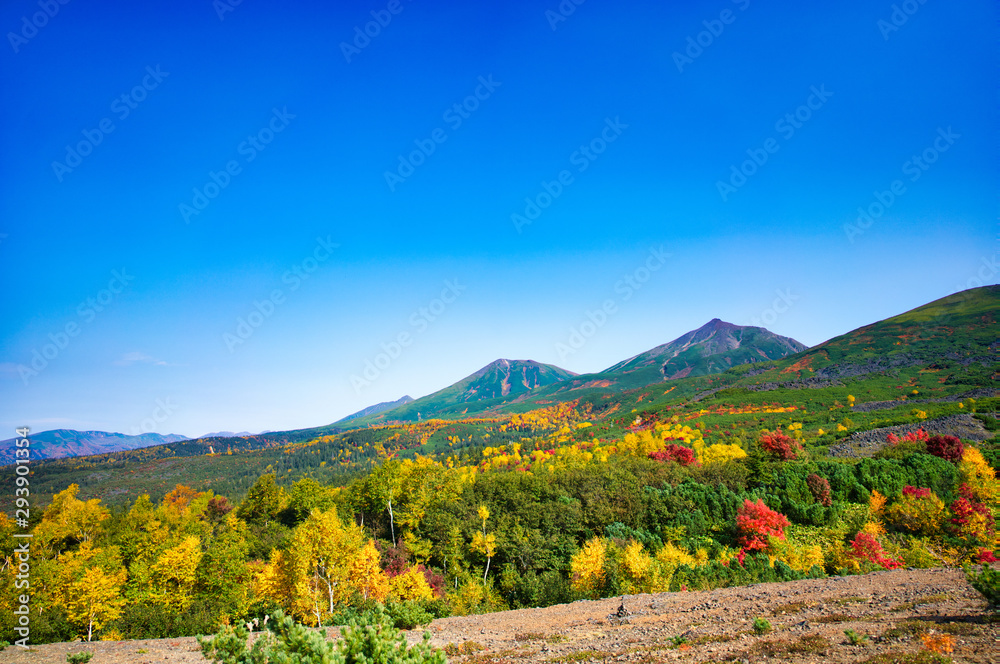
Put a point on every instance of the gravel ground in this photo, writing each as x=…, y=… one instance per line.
x=866, y=443
x=893, y=608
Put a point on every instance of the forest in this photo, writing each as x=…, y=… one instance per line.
x=677, y=499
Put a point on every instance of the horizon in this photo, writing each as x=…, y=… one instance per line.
x=234, y=207
x=233, y=433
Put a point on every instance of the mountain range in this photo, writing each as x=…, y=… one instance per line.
x=502, y=384
x=921, y=336
x=60, y=443
x=937, y=354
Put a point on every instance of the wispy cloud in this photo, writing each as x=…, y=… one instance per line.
x=136, y=357
x=9, y=368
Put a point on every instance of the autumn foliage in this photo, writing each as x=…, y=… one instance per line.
x=682, y=455
x=918, y=436
x=948, y=448
x=917, y=510
x=819, y=487
x=755, y=522
x=866, y=547
x=780, y=446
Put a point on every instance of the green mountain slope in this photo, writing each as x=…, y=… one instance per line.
x=957, y=332
x=377, y=408
x=498, y=383
x=712, y=348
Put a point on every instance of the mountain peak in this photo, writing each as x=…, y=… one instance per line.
x=712, y=348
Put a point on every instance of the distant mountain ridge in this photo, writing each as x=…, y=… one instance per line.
x=59, y=443
x=225, y=434
x=377, y=408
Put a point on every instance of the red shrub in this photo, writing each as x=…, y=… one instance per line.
x=682, y=455
x=755, y=522
x=819, y=487
x=867, y=548
x=780, y=445
x=986, y=556
x=964, y=510
x=948, y=448
x=434, y=580
x=918, y=436
x=916, y=492
x=394, y=558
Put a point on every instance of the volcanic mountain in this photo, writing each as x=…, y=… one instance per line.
x=499, y=382
x=712, y=348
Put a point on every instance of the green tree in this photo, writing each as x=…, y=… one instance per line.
x=263, y=502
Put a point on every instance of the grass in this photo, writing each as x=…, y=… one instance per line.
x=834, y=618
x=893, y=657
x=844, y=601
x=906, y=628
x=811, y=644
x=930, y=599
x=529, y=636
x=959, y=629
x=501, y=657
x=792, y=607
x=714, y=638
x=581, y=655
x=467, y=648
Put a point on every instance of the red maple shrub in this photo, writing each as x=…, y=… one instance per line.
x=916, y=492
x=867, y=548
x=755, y=522
x=819, y=487
x=948, y=448
x=779, y=445
x=682, y=455
x=918, y=436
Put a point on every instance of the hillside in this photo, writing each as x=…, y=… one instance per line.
x=943, y=351
x=59, y=443
x=712, y=348
x=377, y=408
x=498, y=383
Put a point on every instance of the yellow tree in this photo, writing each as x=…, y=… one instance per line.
x=587, y=566
x=410, y=585
x=366, y=574
x=979, y=477
x=318, y=563
x=68, y=520
x=96, y=599
x=484, y=543
x=173, y=574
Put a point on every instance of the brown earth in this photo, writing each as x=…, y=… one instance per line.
x=895, y=609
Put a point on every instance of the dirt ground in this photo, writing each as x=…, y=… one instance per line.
x=895, y=610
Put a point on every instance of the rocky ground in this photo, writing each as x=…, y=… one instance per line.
x=891, y=612
x=866, y=443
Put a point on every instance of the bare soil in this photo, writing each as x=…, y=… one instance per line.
x=894, y=609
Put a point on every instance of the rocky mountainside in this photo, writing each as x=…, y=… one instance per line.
x=712, y=348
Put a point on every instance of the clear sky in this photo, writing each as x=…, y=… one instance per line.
x=213, y=216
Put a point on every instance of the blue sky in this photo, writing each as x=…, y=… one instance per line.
x=189, y=165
